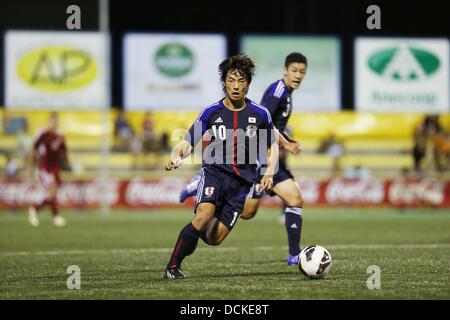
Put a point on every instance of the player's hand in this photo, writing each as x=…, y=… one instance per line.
x=294, y=147
x=173, y=164
x=267, y=183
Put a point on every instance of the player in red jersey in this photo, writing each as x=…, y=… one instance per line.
x=51, y=150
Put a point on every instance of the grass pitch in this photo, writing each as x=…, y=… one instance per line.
x=122, y=256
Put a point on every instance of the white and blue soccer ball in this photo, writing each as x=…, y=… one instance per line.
x=315, y=262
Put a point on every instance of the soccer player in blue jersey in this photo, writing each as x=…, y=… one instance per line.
x=278, y=100
x=242, y=134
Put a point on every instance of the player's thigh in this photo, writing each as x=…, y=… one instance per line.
x=251, y=206
x=203, y=214
x=208, y=198
x=289, y=192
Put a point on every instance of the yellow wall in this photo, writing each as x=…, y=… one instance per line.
x=305, y=125
x=357, y=124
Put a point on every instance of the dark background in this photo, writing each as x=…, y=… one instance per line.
x=345, y=19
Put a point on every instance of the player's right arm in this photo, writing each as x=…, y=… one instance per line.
x=180, y=152
x=192, y=137
x=292, y=146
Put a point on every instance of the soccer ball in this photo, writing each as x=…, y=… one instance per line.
x=314, y=262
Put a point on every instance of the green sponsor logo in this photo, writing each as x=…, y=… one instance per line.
x=404, y=63
x=174, y=60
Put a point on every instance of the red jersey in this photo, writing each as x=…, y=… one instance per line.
x=50, y=146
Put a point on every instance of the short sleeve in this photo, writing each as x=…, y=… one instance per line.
x=198, y=128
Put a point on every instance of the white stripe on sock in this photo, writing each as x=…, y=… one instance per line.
x=295, y=210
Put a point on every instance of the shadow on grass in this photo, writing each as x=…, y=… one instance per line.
x=231, y=275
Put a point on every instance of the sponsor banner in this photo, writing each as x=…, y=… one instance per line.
x=418, y=193
x=136, y=193
x=140, y=193
x=171, y=71
x=320, y=89
x=353, y=192
x=56, y=70
x=402, y=75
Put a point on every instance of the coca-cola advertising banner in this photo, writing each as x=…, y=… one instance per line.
x=140, y=193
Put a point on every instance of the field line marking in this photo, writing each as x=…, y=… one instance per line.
x=223, y=249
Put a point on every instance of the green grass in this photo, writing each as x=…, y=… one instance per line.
x=122, y=256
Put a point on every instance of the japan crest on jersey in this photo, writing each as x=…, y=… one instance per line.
x=209, y=191
x=251, y=131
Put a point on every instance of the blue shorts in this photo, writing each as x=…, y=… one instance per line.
x=224, y=190
x=282, y=174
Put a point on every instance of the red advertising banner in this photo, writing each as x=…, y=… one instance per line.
x=143, y=193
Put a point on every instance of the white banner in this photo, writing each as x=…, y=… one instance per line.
x=319, y=91
x=56, y=70
x=172, y=71
x=402, y=75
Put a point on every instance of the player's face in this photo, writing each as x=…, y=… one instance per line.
x=236, y=86
x=294, y=74
x=53, y=122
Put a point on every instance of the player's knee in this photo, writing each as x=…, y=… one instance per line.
x=218, y=239
x=215, y=241
x=211, y=240
x=250, y=209
x=295, y=200
x=247, y=215
x=200, y=222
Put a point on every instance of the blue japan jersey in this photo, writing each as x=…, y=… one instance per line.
x=239, y=139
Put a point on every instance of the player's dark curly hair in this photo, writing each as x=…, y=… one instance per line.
x=295, y=57
x=241, y=63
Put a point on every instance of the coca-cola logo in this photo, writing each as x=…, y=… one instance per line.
x=89, y=193
x=161, y=192
x=21, y=194
x=355, y=191
x=417, y=192
x=93, y=193
x=70, y=194
x=100, y=192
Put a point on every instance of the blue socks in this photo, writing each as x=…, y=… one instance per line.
x=185, y=245
x=293, y=223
